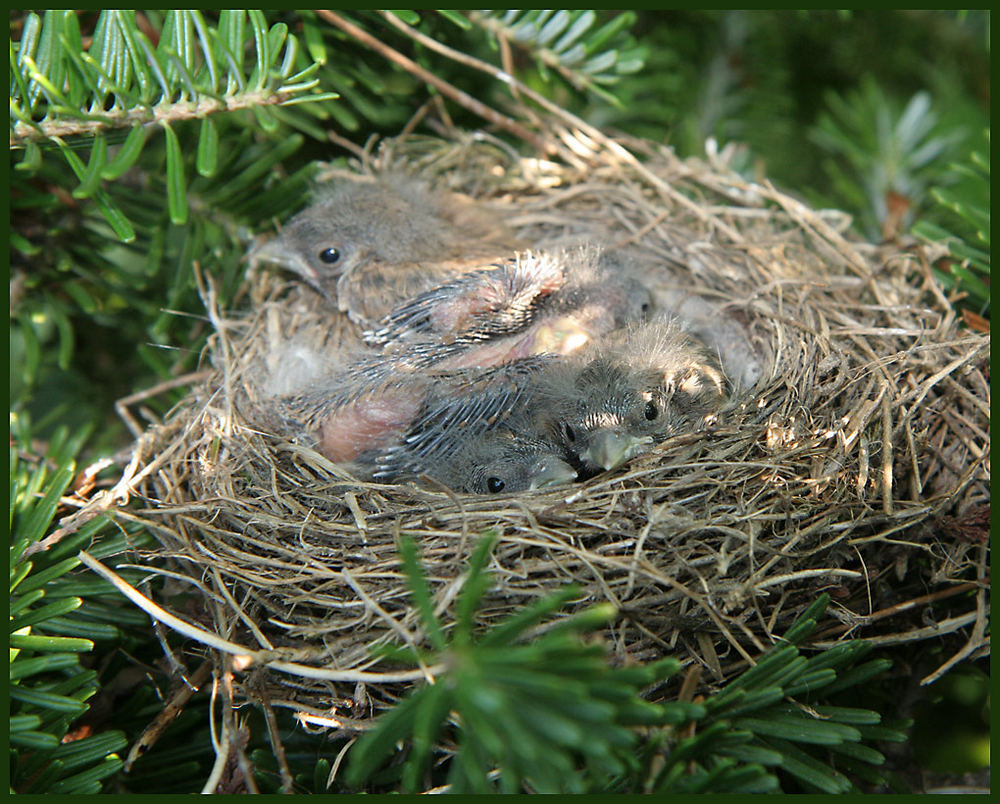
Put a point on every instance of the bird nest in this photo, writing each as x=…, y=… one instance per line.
x=852, y=458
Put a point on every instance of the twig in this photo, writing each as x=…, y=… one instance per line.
x=168, y=714
x=121, y=406
x=247, y=656
x=145, y=115
x=979, y=637
x=457, y=95
x=287, y=782
x=221, y=747
x=568, y=118
x=918, y=634
x=340, y=758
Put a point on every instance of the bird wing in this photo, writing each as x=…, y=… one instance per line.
x=462, y=404
x=371, y=290
x=485, y=303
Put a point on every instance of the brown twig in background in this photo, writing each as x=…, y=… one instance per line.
x=287, y=782
x=122, y=405
x=460, y=97
x=152, y=733
x=568, y=118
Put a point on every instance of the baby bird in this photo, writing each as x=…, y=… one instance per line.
x=506, y=459
x=535, y=303
x=474, y=433
x=621, y=397
x=370, y=245
x=420, y=422
x=344, y=420
x=491, y=302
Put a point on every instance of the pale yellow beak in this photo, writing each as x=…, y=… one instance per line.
x=553, y=471
x=276, y=252
x=609, y=449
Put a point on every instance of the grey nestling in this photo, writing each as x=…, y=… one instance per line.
x=370, y=245
x=475, y=434
x=534, y=303
x=508, y=459
x=622, y=397
x=459, y=408
x=464, y=427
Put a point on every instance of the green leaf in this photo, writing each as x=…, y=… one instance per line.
x=805, y=623
x=47, y=643
x=24, y=601
x=258, y=25
x=809, y=770
x=885, y=734
x=88, y=782
x=127, y=154
x=42, y=577
x=476, y=583
x=55, y=609
x=515, y=624
x=408, y=16
x=846, y=714
x=208, y=148
x=374, y=746
x=24, y=722
x=42, y=511
x=90, y=631
x=34, y=740
x=32, y=159
x=24, y=668
x=857, y=675
x=314, y=41
x=176, y=187
x=453, y=17
x=32, y=351
x=609, y=30
x=810, y=681
x=555, y=26
x=47, y=700
x=752, y=753
x=90, y=750
x=420, y=592
x=17, y=575
x=427, y=721
x=859, y=752
x=798, y=729
x=580, y=25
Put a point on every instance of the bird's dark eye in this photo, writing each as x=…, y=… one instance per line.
x=651, y=411
x=568, y=432
x=495, y=485
x=329, y=256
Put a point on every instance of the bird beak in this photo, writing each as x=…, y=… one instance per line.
x=609, y=449
x=275, y=251
x=553, y=472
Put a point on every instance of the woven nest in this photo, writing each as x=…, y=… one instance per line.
x=853, y=457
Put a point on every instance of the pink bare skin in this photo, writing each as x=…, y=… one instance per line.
x=372, y=422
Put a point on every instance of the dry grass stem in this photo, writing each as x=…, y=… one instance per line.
x=852, y=459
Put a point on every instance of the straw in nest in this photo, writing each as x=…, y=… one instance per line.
x=850, y=461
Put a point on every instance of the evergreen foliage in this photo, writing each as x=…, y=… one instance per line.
x=965, y=213
x=56, y=616
x=550, y=716
x=148, y=148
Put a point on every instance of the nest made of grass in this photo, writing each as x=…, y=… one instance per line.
x=856, y=464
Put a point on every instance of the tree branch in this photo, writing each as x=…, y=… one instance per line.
x=22, y=133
